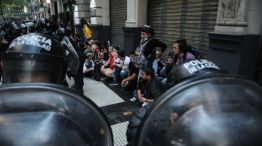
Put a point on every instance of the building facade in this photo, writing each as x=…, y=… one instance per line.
x=202, y=22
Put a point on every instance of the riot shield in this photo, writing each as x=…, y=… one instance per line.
x=36, y=114
x=207, y=110
x=71, y=55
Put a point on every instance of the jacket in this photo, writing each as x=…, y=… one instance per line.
x=87, y=32
x=149, y=50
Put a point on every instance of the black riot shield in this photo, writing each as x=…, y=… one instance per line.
x=50, y=115
x=205, y=110
x=71, y=55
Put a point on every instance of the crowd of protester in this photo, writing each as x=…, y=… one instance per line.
x=142, y=72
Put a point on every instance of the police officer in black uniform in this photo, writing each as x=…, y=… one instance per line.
x=35, y=109
x=34, y=58
x=177, y=74
x=207, y=109
x=76, y=58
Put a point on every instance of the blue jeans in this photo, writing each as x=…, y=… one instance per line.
x=123, y=74
x=116, y=74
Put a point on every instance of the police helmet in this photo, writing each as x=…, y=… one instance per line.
x=179, y=73
x=205, y=110
x=14, y=26
x=34, y=58
x=191, y=68
x=23, y=25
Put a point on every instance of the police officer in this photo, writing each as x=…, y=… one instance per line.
x=77, y=57
x=35, y=109
x=179, y=73
x=204, y=110
x=34, y=58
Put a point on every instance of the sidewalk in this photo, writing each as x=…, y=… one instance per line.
x=113, y=101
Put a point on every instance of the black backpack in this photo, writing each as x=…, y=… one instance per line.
x=194, y=51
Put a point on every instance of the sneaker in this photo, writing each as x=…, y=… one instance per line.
x=133, y=99
x=145, y=104
x=103, y=78
x=113, y=84
x=127, y=113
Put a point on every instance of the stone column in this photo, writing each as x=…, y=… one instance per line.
x=60, y=6
x=81, y=10
x=136, y=19
x=52, y=7
x=100, y=19
x=234, y=45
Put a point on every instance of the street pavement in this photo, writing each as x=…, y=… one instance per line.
x=113, y=101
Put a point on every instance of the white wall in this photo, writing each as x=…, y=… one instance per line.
x=102, y=12
x=136, y=13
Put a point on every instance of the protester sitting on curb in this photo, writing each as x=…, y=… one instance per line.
x=120, y=70
x=130, y=82
x=95, y=48
x=105, y=54
x=162, y=78
x=107, y=67
x=124, y=71
x=148, y=88
x=158, y=63
x=117, y=67
x=89, y=66
x=180, y=52
x=177, y=75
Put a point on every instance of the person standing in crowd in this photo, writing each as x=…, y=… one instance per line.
x=146, y=51
x=180, y=52
x=87, y=31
